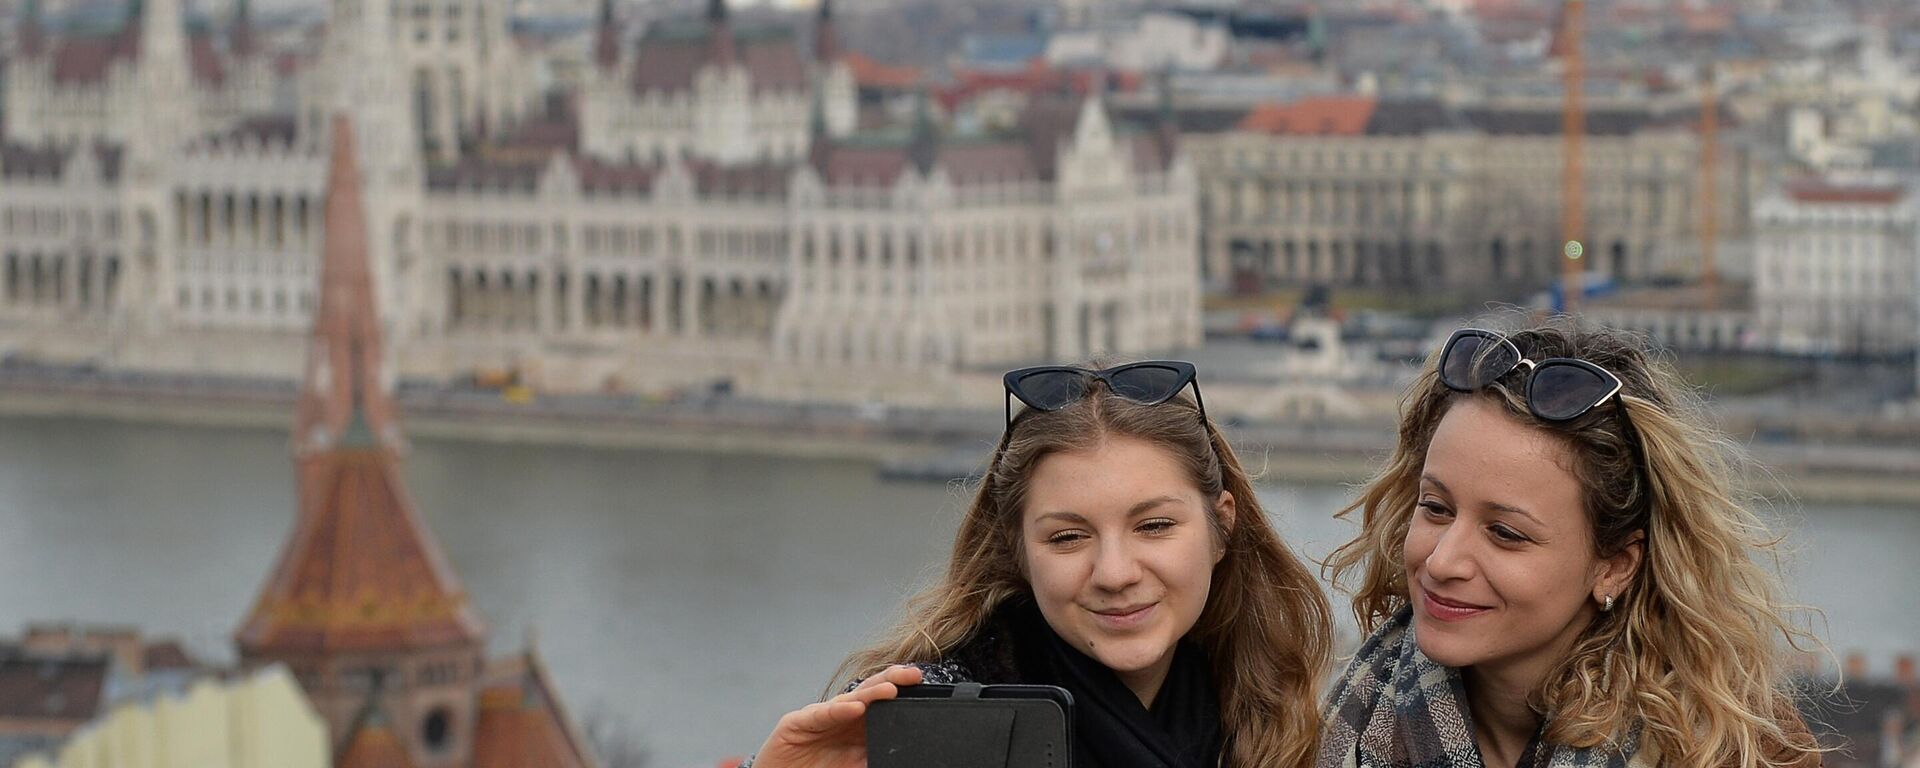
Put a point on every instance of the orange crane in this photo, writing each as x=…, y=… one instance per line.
x=1573, y=213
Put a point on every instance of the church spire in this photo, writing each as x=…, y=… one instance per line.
x=242, y=40
x=720, y=34
x=343, y=378
x=606, y=46
x=32, y=34
x=825, y=47
x=361, y=573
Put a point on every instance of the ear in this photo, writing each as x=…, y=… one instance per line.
x=1226, y=510
x=1616, y=572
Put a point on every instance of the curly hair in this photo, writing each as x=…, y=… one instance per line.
x=1691, y=651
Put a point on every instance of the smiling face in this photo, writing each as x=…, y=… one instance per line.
x=1119, y=547
x=1500, y=561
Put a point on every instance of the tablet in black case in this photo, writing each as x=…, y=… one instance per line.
x=972, y=726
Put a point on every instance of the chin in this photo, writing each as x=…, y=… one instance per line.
x=1130, y=655
x=1448, y=648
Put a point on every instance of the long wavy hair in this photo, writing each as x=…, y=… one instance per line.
x=1266, y=627
x=1690, y=652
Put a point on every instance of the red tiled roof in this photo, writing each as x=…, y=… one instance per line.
x=868, y=73
x=373, y=746
x=521, y=721
x=1316, y=116
x=1037, y=78
x=1822, y=191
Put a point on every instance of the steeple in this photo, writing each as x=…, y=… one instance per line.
x=242, y=37
x=361, y=574
x=720, y=34
x=33, y=36
x=825, y=48
x=606, y=45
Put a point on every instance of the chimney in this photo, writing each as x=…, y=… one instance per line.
x=1856, y=665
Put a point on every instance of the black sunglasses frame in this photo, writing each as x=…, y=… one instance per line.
x=1614, y=385
x=1187, y=375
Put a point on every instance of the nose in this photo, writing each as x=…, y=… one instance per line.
x=1452, y=555
x=1115, y=567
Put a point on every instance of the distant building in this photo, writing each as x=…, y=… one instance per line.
x=1366, y=191
x=704, y=212
x=46, y=697
x=1837, y=266
x=257, y=721
x=703, y=89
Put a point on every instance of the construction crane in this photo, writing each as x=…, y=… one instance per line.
x=1573, y=213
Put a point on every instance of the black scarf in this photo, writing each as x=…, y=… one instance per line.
x=1110, y=727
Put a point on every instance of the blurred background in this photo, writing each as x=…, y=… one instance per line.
x=687, y=321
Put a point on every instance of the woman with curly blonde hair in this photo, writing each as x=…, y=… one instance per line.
x=1555, y=570
x=1114, y=548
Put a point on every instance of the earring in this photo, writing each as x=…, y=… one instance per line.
x=1606, y=603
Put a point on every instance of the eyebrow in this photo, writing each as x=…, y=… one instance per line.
x=1134, y=511
x=1494, y=505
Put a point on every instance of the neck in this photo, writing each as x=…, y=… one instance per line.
x=1146, y=683
x=1503, y=720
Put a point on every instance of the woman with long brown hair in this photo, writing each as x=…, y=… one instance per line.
x=1115, y=547
x=1555, y=569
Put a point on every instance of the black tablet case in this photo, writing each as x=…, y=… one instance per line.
x=972, y=726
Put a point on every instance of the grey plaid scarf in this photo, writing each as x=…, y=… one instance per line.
x=1396, y=708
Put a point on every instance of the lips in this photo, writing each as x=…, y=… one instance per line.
x=1447, y=609
x=1125, y=617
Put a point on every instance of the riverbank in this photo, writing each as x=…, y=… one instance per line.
x=1815, y=473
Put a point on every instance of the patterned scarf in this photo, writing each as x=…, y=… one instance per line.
x=1396, y=708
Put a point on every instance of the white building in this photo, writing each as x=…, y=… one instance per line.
x=641, y=238
x=683, y=89
x=1837, y=267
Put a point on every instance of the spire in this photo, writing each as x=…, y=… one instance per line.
x=824, y=48
x=361, y=574
x=32, y=34
x=924, y=146
x=242, y=41
x=343, y=372
x=720, y=33
x=606, y=46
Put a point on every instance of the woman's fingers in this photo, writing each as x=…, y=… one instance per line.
x=824, y=716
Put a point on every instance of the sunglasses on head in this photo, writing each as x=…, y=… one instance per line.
x=1053, y=387
x=1558, y=388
